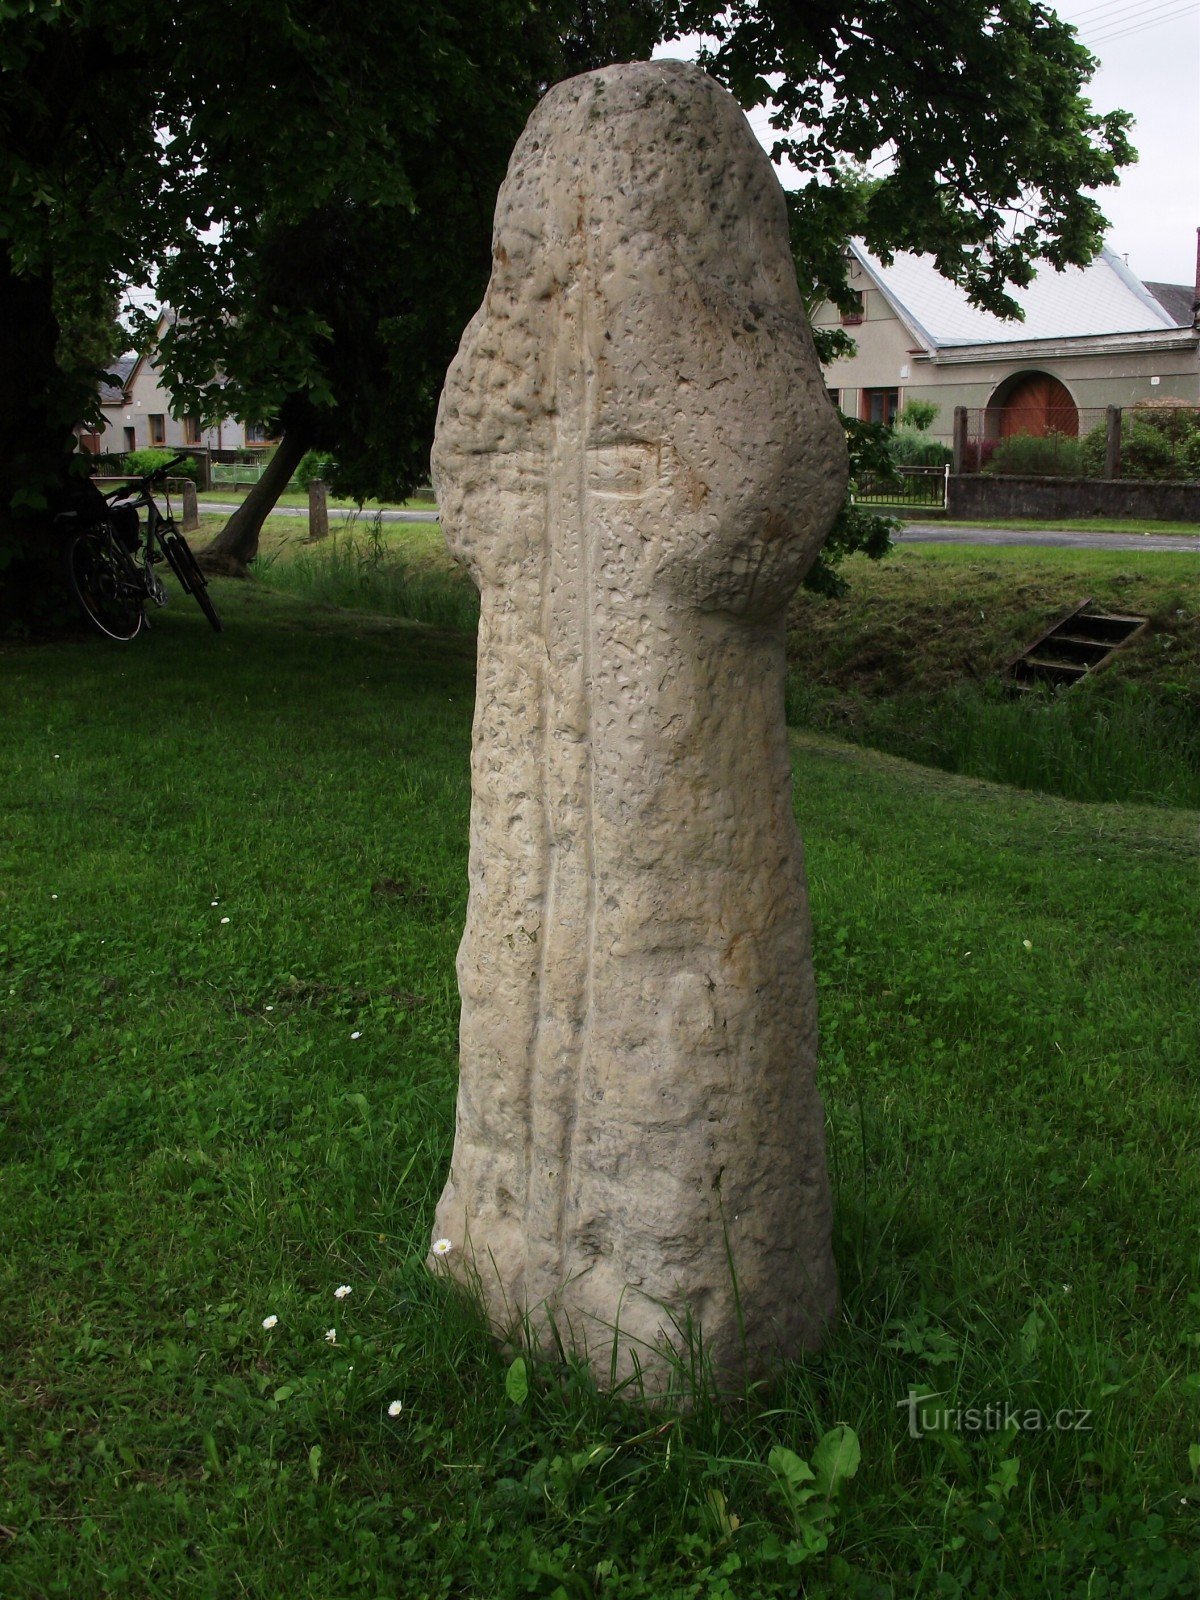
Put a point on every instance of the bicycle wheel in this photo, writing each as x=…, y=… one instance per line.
x=106, y=583
x=187, y=569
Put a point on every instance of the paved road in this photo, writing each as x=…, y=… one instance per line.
x=302, y=511
x=947, y=533
x=914, y=533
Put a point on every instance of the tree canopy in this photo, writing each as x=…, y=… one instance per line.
x=310, y=184
x=968, y=117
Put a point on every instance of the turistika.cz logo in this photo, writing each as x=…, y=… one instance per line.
x=925, y=1415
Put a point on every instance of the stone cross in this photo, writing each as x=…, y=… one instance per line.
x=637, y=460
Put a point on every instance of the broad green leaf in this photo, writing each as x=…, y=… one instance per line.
x=836, y=1458
x=1031, y=1330
x=516, y=1382
x=788, y=1467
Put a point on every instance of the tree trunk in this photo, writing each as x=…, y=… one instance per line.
x=39, y=406
x=236, y=545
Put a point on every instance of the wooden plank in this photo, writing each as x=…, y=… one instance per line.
x=1022, y=654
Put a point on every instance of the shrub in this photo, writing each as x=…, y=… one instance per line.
x=1053, y=455
x=978, y=454
x=1160, y=439
x=919, y=415
x=910, y=448
x=139, y=463
x=315, y=465
x=1093, y=450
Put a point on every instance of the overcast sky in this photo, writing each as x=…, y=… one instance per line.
x=1149, y=53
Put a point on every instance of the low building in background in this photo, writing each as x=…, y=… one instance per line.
x=140, y=413
x=1092, y=337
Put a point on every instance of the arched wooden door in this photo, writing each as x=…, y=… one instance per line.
x=1036, y=405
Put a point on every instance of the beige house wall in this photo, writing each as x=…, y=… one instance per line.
x=147, y=398
x=887, y=358
x=884, y=358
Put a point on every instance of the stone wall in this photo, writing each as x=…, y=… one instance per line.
x=991, y=497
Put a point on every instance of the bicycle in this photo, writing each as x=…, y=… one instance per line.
x=110, y=558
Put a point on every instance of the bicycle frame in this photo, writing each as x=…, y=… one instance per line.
x=159, y=540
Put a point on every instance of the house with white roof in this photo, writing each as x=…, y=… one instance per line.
x=1091, y=337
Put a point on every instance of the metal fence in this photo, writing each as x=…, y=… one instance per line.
x=236, y=472
x=913, y=486
x=240, y=469
x=1155, y=440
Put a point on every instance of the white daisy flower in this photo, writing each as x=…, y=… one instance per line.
x=356, y=1035
x=330, y=1335
x=269, y=1322
x=396, y=1407
x=442, y=1247
x=224, y=920
x=342, y=1291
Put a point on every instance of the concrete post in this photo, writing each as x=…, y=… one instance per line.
x=191, y=507
x=1112, y=443
x=960, y=440
x=318, y=510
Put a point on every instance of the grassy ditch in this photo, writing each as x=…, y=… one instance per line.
x=233, y=874
x=908, y=662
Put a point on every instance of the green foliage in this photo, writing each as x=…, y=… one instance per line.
x=1159, y=440
x=911, y=448
x=338, y=312
x=809, y=1494
x=314, y=465
x=920, y=415
x=140, y=463
x=934, y=86
x=1053, y=455
x=310, y=284
x=857, y=531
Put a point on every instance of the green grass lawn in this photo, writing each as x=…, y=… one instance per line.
x=910, y=660
x=233, y=878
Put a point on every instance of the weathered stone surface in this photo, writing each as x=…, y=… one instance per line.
x=191, y=507
x=318, y=511
x=637, y=460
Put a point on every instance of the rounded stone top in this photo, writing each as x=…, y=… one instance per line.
x=613, y=163
x=641, y=374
